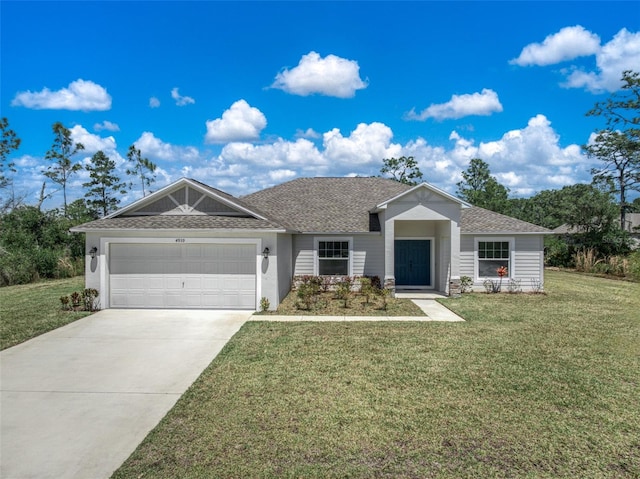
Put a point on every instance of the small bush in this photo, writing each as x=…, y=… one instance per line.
x=366, y=289
x=264, y=304
x=384, y=294
x=89, y=298
x=308, y=294
x=344, y=289
x=513, y=286
x=466, y=284
x=66, y=302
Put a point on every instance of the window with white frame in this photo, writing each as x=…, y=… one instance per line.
x=493, y=255
x=333, y=258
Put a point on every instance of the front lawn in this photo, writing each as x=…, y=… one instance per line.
x=28, y=310
x=531, y=386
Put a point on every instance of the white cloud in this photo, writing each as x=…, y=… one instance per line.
x=92, y=143
x=526, y=160
x=106, y=125
x=484, y=103
x=241, y=122
x=329, y=76
x=280, y=176
x=155, y=149
x=529, y=159
x=567, y=44
x=620, y=54
x=367, y=144
x=308, y=133
x=154, y=102
x=301, y=154
x=26, y=161
x=181, y=100
x=80, y=95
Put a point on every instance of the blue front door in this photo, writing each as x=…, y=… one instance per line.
x=413, y=262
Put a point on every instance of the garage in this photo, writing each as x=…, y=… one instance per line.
x=182, y=276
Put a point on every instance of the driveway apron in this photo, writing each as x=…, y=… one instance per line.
x=76, y=402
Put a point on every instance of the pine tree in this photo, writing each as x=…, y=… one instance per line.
x=105, y=184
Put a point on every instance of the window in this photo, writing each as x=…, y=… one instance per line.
x=491, y=256
x=333, y=258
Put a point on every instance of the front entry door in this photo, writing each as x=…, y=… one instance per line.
x=413, y=262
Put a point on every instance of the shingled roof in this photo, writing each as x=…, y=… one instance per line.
x=343, y=205
x=325, y=205
x=478, y=220
x=307, y=205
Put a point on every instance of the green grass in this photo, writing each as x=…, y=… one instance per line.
x=531, y=386
x=28, y=310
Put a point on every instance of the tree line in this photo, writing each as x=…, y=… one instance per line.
x=36, y=244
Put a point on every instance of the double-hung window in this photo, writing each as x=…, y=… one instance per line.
x=333, y=258
x=493, y=255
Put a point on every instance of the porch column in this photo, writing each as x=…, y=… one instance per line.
x=454, y=280
x=389, y=256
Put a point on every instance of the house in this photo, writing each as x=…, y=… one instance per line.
x=189, y=245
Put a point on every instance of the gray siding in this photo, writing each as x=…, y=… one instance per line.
x=466, y=255
x=368, y=255
x=367, y=259
x=302, y=255
x=284, y=266
x=528, y=258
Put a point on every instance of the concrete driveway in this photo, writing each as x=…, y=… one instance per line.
x=77, y=401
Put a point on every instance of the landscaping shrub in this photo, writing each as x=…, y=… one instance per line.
x=634, y=266
x=264, y=304
x=344, y=289
x=86, y=300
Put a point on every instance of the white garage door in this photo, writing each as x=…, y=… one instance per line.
x=183, y=276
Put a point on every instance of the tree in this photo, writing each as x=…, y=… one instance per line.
x=61, y=151
x=105, y=184
x=404, y=169
x=581, y=206
x=481, y=189
x=142, y=168
x=618, y=144
x=9, y=142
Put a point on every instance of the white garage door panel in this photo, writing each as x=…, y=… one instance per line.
x=183, y=276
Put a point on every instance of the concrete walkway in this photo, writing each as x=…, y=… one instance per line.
x=434, y=312
x=76, y=402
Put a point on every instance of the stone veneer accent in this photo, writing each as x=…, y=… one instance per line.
x=455, y=288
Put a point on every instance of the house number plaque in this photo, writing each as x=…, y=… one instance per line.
x=180, y=240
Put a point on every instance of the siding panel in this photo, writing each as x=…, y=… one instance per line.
x=466, y=255
x=303, y=254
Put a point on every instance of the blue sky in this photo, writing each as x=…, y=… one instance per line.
x=246, y=95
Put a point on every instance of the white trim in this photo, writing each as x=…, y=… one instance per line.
x=316, y=259
x=175, y=186
x=428, y=186
x=432, y=266
x=105, y=243
x=518, y=233
x=497, y=239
